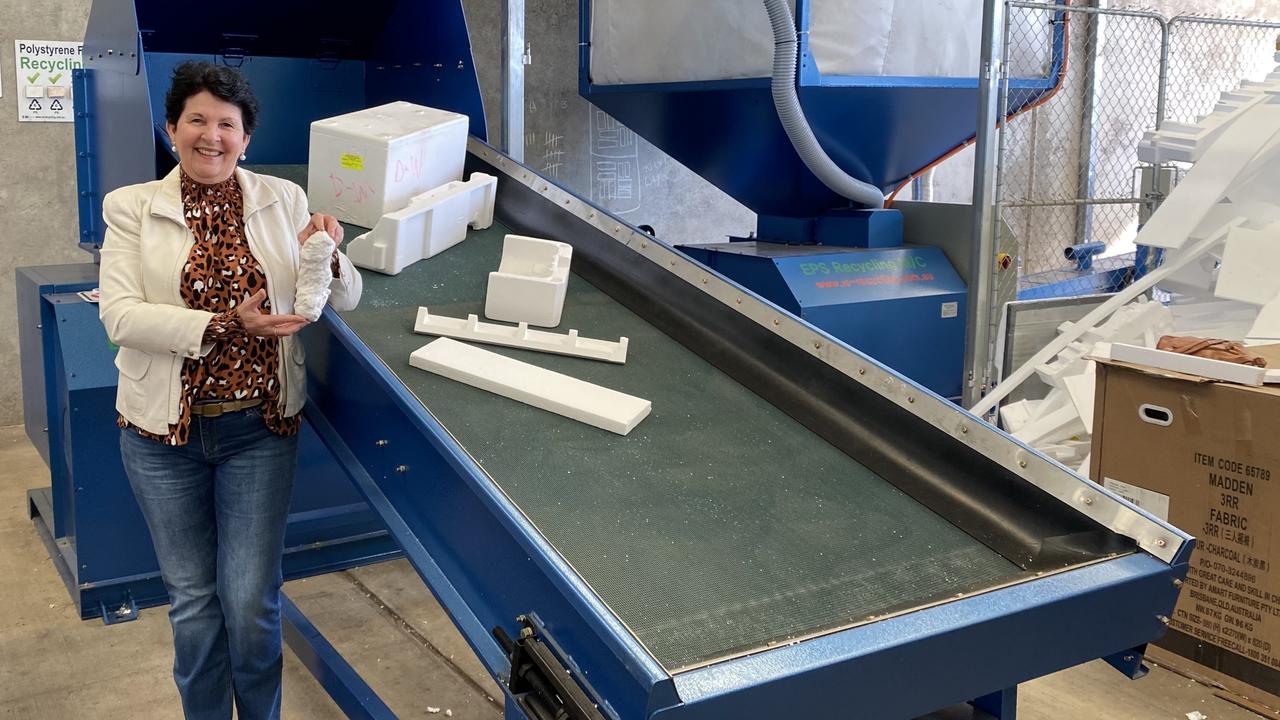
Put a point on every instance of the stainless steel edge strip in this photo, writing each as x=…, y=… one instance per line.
x=1153, y=535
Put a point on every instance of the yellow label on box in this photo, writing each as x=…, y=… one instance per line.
x=351, y=162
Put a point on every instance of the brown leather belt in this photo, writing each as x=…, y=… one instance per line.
x=215, y=409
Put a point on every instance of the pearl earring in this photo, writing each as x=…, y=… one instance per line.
x=173, y=148
x=242, y=157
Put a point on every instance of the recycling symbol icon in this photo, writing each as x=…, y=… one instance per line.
x=56, y=105
x=35, y=104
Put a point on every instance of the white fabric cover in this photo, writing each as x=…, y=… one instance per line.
x=679, y=40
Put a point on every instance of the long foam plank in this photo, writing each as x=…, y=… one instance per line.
x=520, y=337
x=1185, y=364
x=551, y=391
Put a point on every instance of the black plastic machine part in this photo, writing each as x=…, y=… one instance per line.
x=539, y=682
x=1009, y=515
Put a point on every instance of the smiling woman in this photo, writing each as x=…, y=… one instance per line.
x=199, y=280
x=210, y=116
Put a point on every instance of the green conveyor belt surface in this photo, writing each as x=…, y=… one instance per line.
x=719, y=525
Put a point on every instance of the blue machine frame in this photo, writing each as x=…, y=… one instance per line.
x=473, y=546
x=87, y=517
x=392, y=50
x=491, y=569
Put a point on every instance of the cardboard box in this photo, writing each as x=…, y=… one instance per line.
x=1205, y=456
x=365, y=164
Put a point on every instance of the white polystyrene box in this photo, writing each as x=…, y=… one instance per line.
x=371, y=162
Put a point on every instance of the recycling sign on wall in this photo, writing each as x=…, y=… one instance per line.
x=44, y=79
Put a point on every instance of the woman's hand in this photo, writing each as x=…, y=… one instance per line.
x=259, y=324
x=320, y=222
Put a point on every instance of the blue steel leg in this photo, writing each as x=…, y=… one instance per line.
x=353, y=696
x=1129, y=662
x=1001, y=705
x=513, y=711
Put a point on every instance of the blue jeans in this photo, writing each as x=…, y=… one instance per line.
x=216, y=508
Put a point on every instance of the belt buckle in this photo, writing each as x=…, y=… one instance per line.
x=210, y=410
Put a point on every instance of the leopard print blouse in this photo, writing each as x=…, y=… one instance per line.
x=221, y=272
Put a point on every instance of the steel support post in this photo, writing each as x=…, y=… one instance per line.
x=978, y=329
x=513, y=61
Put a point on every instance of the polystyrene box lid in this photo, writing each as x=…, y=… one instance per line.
x=388, y=122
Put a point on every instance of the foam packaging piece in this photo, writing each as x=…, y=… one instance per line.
x=1266, y=328
x=529, y=285
x=1250, y=269
x=315, y=273
x=1081, y=390
x=1252, y=139
x=365, y=164
x=430, y=224
x=561, y=394
x=1186, y=364
x=1186, y=142
x=521, y=337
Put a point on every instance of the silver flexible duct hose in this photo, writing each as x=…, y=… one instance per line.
x=792, y=117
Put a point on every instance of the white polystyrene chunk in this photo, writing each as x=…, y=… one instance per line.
x=561, y=394
x=521, y=336
x=1185, y=142
x=431, y=223
x=370, y=162
x=1081, y=389
x=1250, y=139
x=1172, y=264
x=1061, y=424
x=1185, y=364
x=530, y=284
x=315, y=273
x=1015, y=415
x=1250, y=269
x=1267, y=325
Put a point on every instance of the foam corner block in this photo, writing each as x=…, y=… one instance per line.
x=431, y=223
x=551, y=391
x=530, y=283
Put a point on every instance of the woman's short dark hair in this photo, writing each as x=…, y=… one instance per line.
x=225, y=83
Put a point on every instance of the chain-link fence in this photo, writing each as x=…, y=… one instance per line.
x=1069, y=186
x=1209, y=56
x=1066, y=185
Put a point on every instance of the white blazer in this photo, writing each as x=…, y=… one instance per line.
x=147, y=243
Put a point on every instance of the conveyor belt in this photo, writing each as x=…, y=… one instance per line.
x=719, y=525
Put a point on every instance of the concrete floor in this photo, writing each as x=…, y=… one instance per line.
x=387, y=625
